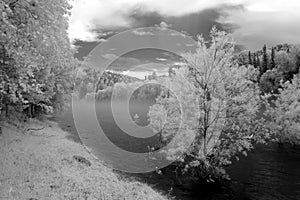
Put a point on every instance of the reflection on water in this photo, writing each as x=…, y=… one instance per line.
x=269, y=172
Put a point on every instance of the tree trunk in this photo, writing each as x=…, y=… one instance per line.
x=6, y=102
x=33, y=111
x=204, y=144
x=6, y=109
x=29, y=112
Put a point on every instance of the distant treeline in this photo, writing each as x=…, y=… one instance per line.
x=140, y=91
x=275, y=64
x=92, y=83
x=91, y=80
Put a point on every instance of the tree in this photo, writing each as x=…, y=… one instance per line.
x=285, y=65
x=258, y=61
x=272, y=63
x=242, y=58
x=270, y=81
x=92, y=76
x=250, y=58
x=83, y=90
x=295, y=58
x=153, y=76
x=264, y=66
x=37, y=59
x=215, y=103
x=284, y=112
x=254, y=61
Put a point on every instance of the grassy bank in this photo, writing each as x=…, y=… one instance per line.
x=44, y=164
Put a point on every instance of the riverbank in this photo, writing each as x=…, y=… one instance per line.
x=268, y=172
x=42, y=163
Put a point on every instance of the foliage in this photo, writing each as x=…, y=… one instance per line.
x=83, y=90
x=36, y=60
x=216, y=104
x=265, y=62
x=272, y=63
x=250, y=58
x=270, y=81
x=141, y=91
x=242, y=58
x=91, y=80
x=282, y=60
x=283, y=113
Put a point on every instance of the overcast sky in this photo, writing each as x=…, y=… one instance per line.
x=255, y=22
x=252, y=22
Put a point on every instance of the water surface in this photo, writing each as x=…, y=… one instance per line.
x=268, y=173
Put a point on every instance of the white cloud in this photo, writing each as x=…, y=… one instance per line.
x=261, y=20
x=272, y=5
x=88, y=15
x=178, y=34
x=141, y=32
x=164, y=25
x=180, y=63
x=110, y=56
x=266, y=22
x=161, y=59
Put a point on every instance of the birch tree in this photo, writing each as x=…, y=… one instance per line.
x=211, y=114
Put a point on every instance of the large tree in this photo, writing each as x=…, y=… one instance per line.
x=216, y=104
x=36, y=59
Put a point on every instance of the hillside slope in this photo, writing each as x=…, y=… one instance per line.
x=43, y=164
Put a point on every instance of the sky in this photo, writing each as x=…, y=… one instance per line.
x=144, y=62
x=253, y=23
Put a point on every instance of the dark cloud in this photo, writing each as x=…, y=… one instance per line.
x=84, y=48
x=192, y=24
x=143, y=57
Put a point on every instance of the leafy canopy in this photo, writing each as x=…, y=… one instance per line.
x=211, y=114
x=36, y=57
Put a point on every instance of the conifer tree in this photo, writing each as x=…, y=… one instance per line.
x=264, y=66
x=273, y=64
x=254, y=60
x=258, y=61
x=249, y=58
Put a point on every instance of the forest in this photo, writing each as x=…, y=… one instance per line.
x=37, y=63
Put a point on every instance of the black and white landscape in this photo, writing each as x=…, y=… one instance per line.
x=150, y=99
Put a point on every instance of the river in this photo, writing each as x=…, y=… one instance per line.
x=269, y=172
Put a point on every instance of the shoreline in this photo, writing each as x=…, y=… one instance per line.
x=46, y=164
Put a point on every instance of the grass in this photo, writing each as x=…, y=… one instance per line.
x=44, y=164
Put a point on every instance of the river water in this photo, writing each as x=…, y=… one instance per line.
x=268, y=173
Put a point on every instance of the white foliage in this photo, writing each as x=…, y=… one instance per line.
x=213, y=103
x=284, y=112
